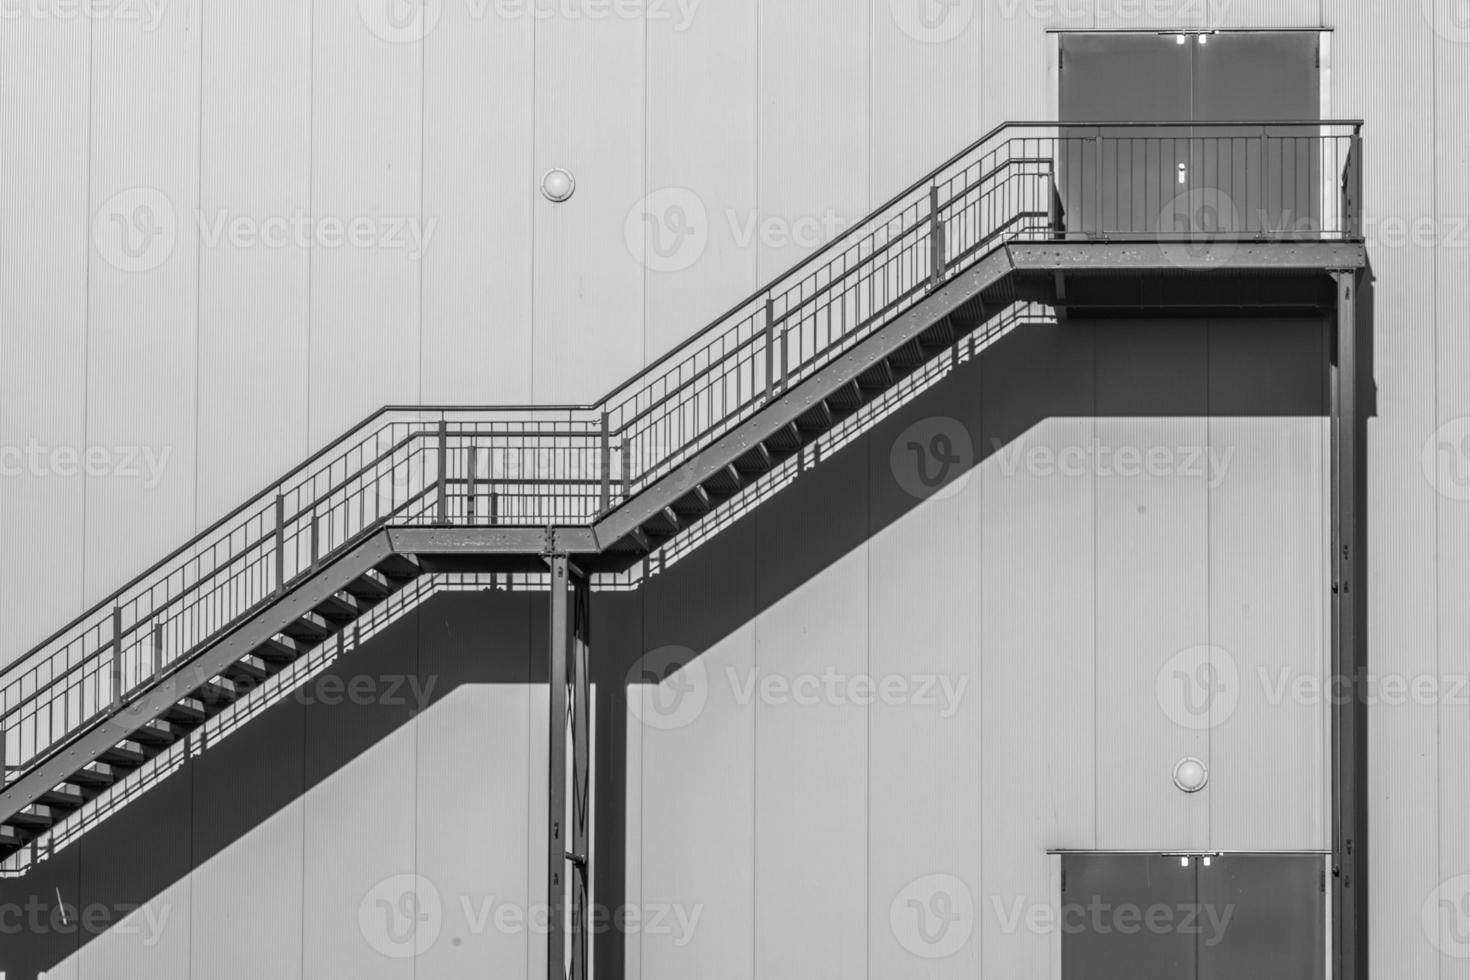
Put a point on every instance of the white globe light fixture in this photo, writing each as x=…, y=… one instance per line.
x=1190, y=775
x=558, y=185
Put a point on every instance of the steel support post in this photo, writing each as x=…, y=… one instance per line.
x=560, y=637
x=580, y=859
x=1349, y=706
x=568, y=829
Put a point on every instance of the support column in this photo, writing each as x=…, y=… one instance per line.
x=1349, y=705
x=568, y=828
x=556, y=846
x=580, y=859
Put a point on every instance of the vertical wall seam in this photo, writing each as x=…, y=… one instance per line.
x=87, y=298
x=198, y=260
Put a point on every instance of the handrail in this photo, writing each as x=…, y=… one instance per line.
x=555, y=464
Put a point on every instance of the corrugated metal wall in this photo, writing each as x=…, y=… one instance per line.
x=237, y=359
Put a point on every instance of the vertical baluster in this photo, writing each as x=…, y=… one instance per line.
x=472, y=491
x=117, y=655
x=443, y=503
x=280, y=543
x=606, y=503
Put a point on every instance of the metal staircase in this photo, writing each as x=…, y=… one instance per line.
x=1091, y=220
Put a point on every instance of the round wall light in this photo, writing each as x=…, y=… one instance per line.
x=1190, y=775
x=558, y=185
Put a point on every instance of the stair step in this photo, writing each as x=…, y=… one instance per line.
x=96, y=775
x=217, y=693
x=726, y=481
x=309, y=628
x=188, y=712
x=66, y=796
x=249, y=670
x=370, y=587
x=909, y=357
x=879, y=377
x=694, y=504
x=280, y=649
x=13, y=838
x=37, y=817
x=342, y=607
x=815, y=420
x=128, y=755
x=756, y=462
x=400, y=567
x=155, y=732
x=847, y=399
x=785, y=441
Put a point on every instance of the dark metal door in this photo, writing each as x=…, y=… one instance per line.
x=1197, y=179
x=1116, y=183
x=1271, y=181
x=1160, y=917
x=1119, y=917
x=1274, y=910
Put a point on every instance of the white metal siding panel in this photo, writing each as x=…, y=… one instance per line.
x=811, y=831
x=814, y=123
x=590, y=95
x=1378, y=54
x=141, y=358
x=925, y=777
x=361, y=822
x=1268, y=580
x=44, y=245
x=366, y=159
x=1152, y=591
x=702, y=146
x=1040, y=674
x=248, y=820
x=1452, y=389
x=926, y=93
x=472, y=827
x=253, y=296
x=479, y=192
x=698, y=765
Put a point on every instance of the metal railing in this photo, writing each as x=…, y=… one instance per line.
x=534, y=466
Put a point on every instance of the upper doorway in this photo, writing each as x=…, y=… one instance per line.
x=1192, y=178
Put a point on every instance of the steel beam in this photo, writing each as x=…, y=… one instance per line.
x=580, y=858
x=558, y=658
x=1349, y=706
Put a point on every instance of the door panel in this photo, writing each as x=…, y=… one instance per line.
x=1263, y=918
x=1219, y=917
x=1113, y=181
x=1106, y=902
x=1270, y=182
x=1196, y=179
